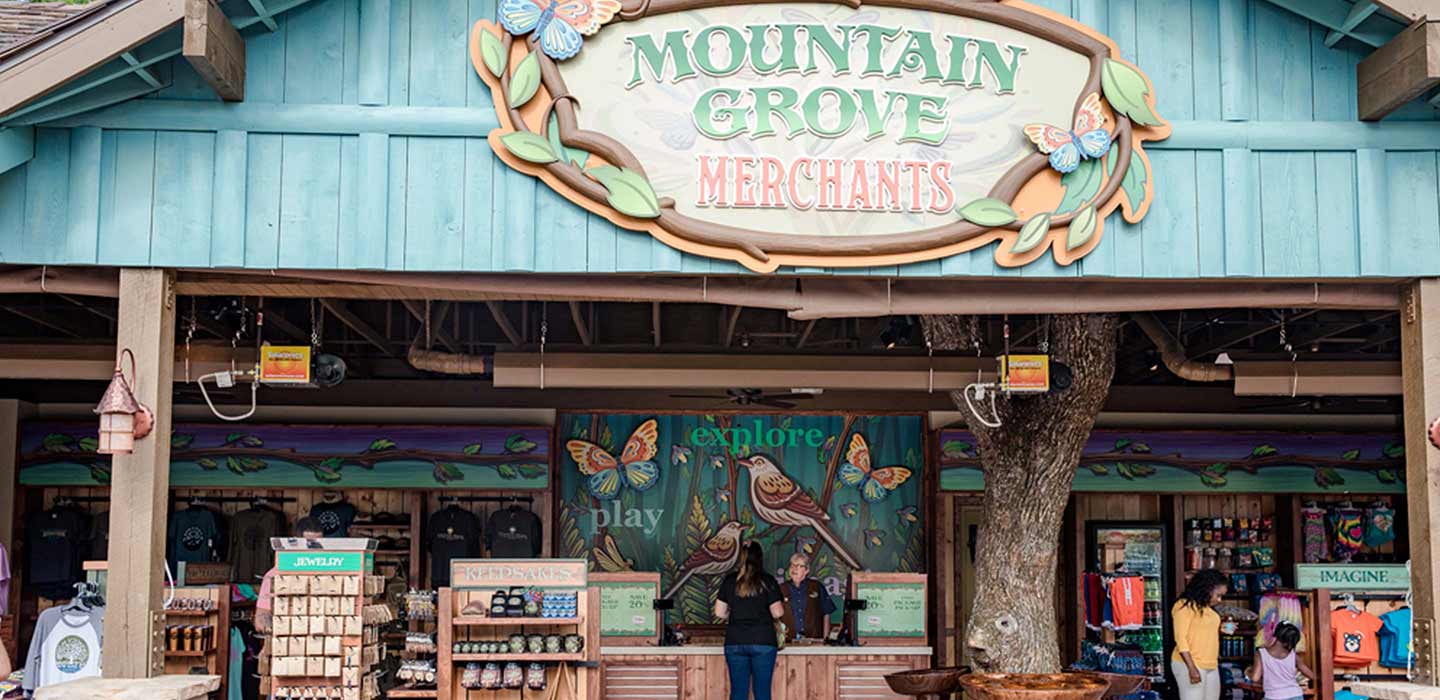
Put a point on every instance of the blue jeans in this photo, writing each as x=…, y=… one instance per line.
x=747, y=662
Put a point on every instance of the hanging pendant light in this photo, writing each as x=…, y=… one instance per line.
x=123, y=420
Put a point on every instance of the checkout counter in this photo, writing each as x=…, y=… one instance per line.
x=890, y=634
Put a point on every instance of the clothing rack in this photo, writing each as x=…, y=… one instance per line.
x=486, y=499
x=232, y=499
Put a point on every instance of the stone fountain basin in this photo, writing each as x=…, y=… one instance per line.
x=927, y=681
x=1034, y=686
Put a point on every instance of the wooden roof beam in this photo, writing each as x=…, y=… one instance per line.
x=437, y=324
x=805, y=334
x=1359, y=13
x=39, y=321
x=655, y=322
x=273, y=318
x=1333, y=15
x=730, y=325
x=581, y=328
x=338, y=309
x=1403, y=69
x=498, y=312
x=17, y=147
x=263, y=15
x=214, y=49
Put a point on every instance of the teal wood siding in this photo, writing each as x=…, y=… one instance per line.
x=361, y=146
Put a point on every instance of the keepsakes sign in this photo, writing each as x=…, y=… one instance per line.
x=806, y=133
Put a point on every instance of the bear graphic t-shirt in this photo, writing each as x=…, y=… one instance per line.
x=1356, y=643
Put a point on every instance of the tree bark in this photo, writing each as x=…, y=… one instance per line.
x=1029, y=465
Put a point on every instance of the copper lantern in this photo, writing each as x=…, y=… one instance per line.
x=123, y=420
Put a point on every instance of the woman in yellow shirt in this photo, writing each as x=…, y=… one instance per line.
x=1196, y=662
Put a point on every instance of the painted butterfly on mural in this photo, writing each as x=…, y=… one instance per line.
x=558, y=39
x=607, y=475
x=874, y=484
x=1067, y=148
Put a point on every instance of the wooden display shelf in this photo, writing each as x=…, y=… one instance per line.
x=478, y=621
x=578, y=656
x=188, y=652
x=412, y=692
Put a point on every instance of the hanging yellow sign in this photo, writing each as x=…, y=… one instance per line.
x=285, y=364
x=1025, y=374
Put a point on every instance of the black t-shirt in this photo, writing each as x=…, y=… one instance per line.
x=453, y=533
x=750, y=619
x=250, y=533
x=513, y=533
x=100, y=537
x=195, y=535
x=53, y=542
x=335, y=518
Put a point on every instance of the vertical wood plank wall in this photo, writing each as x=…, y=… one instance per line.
x=1226, y=203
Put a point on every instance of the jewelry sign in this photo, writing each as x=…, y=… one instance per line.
x=804, y=133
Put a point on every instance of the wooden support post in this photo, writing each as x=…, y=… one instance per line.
x=12, y=412
x=134, y=618
x=1403, y=69
x=1420, y=358
x=214, y=49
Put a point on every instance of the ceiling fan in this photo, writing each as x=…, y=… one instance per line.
x=756, y=397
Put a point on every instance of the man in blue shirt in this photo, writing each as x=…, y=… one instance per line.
x=807, y=605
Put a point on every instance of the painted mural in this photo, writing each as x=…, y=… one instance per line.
x=678, y=493
x=1183, y=461
x=270, y=456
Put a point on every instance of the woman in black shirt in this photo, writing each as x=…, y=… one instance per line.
x=750, y=603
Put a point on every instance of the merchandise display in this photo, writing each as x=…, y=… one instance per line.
x=326, y=634
x=454, y=533
x=67, y=642
x=1395, y=651
x=195, y=534
x=335, y=515
x=249, y=547
x=513, y=533
x=54, y=550
x=1355, y=636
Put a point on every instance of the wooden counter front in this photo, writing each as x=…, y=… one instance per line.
x=801, y=673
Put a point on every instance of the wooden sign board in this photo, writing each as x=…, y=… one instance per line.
x=195, y=573
x=1353, y=577
x=525, y=573
x=627, y=608
x=895, y=608
x=322, y=561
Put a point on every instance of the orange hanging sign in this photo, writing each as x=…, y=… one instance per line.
x=1025, y=374
x=285, y=364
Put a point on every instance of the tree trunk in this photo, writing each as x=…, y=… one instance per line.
x=1029, y=464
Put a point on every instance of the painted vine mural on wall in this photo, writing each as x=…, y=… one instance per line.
x=261, y=455
x=1179, y=461
x=677, y=493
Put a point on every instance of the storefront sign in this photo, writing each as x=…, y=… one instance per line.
x=1357, y=577
x=757, y=435
x=507, y=573
x=324, y=562
x=1026, y=374
x=808, y=133
x=285, y=364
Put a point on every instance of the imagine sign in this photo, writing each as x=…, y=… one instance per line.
x=1341, y=577
x=805, y=133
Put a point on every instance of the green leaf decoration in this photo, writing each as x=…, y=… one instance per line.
x=207, y=464
x=525, y=81
x=332, y=463
x=178, y=441
x=577, y=156
x=953, y=449
x=1122, y=443
x=1140, y=448
x=445, y=473
x=1386, y=476
x=532, y=471
x=517, y=444
x=472, y=449
x=988, y=211
x=1124, y=470
x=1125, y=89
x=492, y=53
x=250, y=441
x=1082, y=228
x=507, y=471
x=1325, y=477
x=1081, y=185
x=381, y=445
x=1264, y=451
x=100, y=473
x=253, y=464
x=1218, y=468
x=529, y=146
x=89, y=444
x=233, y=464
x=232, y=437
x=1393, y=450
x=1212, y=479
x=1099, y=469
x=55, y=442
x=1032, y=233
x=1141, y=470
x=1134, y=180
x=630, y=193
x=1350, y=455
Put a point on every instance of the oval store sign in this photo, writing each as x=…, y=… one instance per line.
x=824, y=134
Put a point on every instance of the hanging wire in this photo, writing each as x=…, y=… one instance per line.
x=429, y=343
x=190, y=324
x=544, y=331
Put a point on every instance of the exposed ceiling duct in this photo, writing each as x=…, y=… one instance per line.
x=1174, y=357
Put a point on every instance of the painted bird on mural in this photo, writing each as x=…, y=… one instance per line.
x=717, y=555
x=778, y=500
